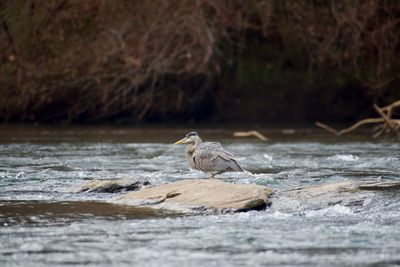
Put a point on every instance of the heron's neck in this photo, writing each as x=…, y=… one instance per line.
x=189, y=150
x=197, y=141
x=191, y=147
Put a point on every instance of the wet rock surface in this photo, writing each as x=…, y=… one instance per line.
x=213, y=195
x=197, y=195
x=113, y=186
x=372, y=185
x=347, y=193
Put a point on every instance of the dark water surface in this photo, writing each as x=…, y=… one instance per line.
x=44, y=222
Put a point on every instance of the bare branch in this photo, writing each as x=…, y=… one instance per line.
x=387, y=120
x=326, y=127
x=251, y=133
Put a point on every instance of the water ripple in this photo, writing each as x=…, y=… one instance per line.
x=336, y=235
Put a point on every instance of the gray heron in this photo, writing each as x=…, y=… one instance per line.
x=209, y=157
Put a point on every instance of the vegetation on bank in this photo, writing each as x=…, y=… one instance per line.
x=80, y=61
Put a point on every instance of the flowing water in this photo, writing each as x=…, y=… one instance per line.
x=44, y=222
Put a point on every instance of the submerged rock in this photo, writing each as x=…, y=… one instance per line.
x=200, y=195
x=113, y=186
x=347, y=193
x=213, y=195
x=373, y=185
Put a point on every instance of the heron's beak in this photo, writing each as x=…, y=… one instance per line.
x=182, y=141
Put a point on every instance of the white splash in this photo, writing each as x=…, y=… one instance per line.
x=329, y=211
x=347, y=157
x=267, y=157
x=20, y=175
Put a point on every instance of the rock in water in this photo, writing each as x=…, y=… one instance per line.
x=346, y=193
x=200, y=195
x=113, y=186
x=213, y=195
x=374, y=185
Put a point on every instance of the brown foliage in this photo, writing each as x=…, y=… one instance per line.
x=359, y=36
x=92, y=59
x=99, y=58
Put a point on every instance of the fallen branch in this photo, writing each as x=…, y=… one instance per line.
x=326, y=127
x=391, y=106
x=387, y=123
x=379, y=131
x=250, y=133
x=359, y=123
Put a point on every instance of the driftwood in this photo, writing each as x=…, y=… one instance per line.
x=251, y=133
x=387, y=123
x=392, y=124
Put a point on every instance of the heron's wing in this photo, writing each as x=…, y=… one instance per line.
x=216, y=147
x=213, y=157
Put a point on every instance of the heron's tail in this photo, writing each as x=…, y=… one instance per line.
x=237, y=167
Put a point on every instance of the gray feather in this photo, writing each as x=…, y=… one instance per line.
x=209, y=157
x=212, y=157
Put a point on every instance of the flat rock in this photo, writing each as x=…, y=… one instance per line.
x=200, y=195
x=374, y=185
x=347, y=193
x=213, y=195
x=113, y=185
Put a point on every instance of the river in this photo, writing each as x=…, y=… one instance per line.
x=43, y=221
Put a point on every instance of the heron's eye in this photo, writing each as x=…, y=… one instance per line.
x=191, y=134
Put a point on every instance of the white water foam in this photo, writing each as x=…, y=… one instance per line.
x=329, y=211
x=267, y=157
x=346, y=157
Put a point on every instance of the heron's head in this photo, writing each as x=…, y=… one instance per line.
x=190, y=138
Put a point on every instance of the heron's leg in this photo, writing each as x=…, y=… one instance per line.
x=210, y=175
x=216, y=173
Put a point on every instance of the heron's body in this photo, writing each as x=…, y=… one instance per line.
x=209, y=157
